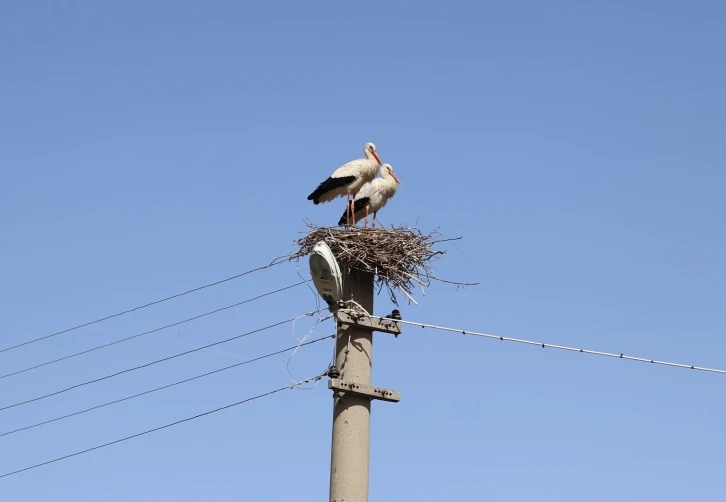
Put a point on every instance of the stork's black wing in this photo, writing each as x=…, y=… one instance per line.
x=358, y=204
x=328, y=185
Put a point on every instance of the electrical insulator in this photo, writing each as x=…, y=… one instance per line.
x=394, y=315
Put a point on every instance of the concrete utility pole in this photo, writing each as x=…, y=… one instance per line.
x=352, y=392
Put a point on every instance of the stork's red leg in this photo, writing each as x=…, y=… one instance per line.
x=347, y=210
x=351, y=209
x=374, y=219
x=366, y=220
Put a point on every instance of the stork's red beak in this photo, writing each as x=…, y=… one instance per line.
x=396, y=178
x=377, y=158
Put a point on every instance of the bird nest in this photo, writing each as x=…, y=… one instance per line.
x=400, y=257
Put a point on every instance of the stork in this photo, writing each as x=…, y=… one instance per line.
x=372, y=197
x=348, y=178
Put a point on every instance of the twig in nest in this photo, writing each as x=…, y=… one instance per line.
x=462, y=284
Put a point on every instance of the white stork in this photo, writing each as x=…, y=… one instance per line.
x=372, y=197
x=348, y=178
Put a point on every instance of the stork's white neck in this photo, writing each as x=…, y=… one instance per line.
x=369, y=156
x=387, y=176
x=390, y=183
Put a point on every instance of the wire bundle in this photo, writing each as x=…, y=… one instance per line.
x=290, y=349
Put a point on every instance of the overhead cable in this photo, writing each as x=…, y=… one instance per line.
x=122, y=340
x=277, y=261
x=157, y=361
x=179, y=382
x=560, y=347
x=149, y=431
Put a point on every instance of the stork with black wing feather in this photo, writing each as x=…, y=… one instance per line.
x=372, y=197
x=348, y=178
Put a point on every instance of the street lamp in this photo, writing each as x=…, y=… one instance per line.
x=326, y=274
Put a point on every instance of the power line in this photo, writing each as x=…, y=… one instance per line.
x=98, y=347
x=317, y=377
x=157, y=361
x=276, y=261
x=552, y=346
x=116, y=401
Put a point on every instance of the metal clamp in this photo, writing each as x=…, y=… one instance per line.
x=365, y=321
x=362, y=390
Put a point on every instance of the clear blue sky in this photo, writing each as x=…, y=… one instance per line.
x=576, y=146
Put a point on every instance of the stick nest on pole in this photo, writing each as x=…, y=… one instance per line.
x=398, y=257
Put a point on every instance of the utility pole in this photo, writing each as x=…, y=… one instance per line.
x=352, y=391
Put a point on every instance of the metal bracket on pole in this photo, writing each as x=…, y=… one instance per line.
x=368, y=391
x=365, y=321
